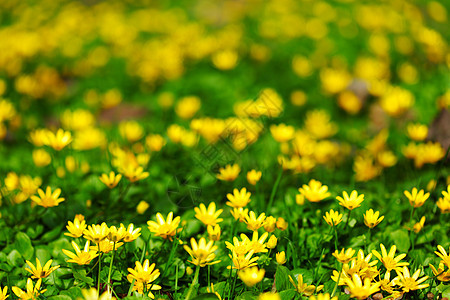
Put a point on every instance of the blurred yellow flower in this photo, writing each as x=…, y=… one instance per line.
x=57, y=141
x=251, y=276
x=110, y=180
x=48, y=199
x=41, y=158
x=92, y=294
x=281, y=258
x=142, y=207
x=416, y=198
x=419, y=225
x=282, y=132
x=417, y=132
x=238, y=199
x=155, y=142
x=187, y=107
x=314, y=191
x=229, y=173
x=131, y=130
x=253, y=176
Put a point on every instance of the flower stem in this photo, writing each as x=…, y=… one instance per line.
x=274, y=190
x=99, y=269
x=348, y=219
x=337, y=282
x=367, y=239
x=194, y=282
x=335, y=238
x=110, y=266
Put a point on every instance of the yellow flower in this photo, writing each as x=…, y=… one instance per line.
x=187, y=107
x=117, y=234
x=38, y=271
x=213, y=232
x=32, y=292
x=165, y=228
x=211, y=290
x=270, y=223
x=282, y=133
x=360, y=291
x=269, y=296
x=143, y=273
x=444, y=202
x=80, y=257
x=416, y=198
x=112, y=180
x=386, y=159
x=155, y=142
x=345, y=255
x=134, y=173
x=239, y=213
x=202, y=253
x=240, y=248
x=333, y=218
x=371, y=218
x=76, y=228
x=281, y=258
x=314, y=191
x=239, y=198
x=419, y=225
x=253, y=176
x=251, y=276
x=41, y=158
x=318, y=124
x=272, y=242
x=254, y=223
x=325, y=296
x=388, y=260
x=96, y=233
x=282, y=224
x=48, y=199
x=106, y=246
x=417, y=132
x=303, y=288
x=443, y=255
x=57, y=141
x=131, y=233
x=229, y=173
x=365, y=168
x=410, y=283
x=351, y=202
x=3, y=293
x=208, y=216
x=256, y=243
x=142, y=207
x=92, y=294
x=441, y=275
x=241, y=262
x=132, y=131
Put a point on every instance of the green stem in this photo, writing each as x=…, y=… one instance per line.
x=367, y=239
x=209, y=275
x=274, y=190
x=348, y=219
x=99, y=269
x=194, y=282
x=142, y=259
x=411, y=226
x=335, y=238
x=234, y=285
x=111, y=263
x=337, y=282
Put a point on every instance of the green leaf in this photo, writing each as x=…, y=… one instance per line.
x=247, y=296
x=51, y=235
x=209, y=296
x=288, y=294
x=24, y=246
x=74, y=293
x=282, y=279
x=15, y=259
x=400, y=238
x=60, y=297
x=81, y=277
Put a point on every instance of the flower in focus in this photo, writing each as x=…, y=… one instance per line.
x=303, y=288
x=80, y=257
x=96, y=233
x=440, y=273
x=333, y=218
x=76, y=228
x=3, y=293
x=419, y=225
x=110, y=180
x=208, y=216
x=443, y=255
x=106, y=246
x=117, y=234
x=131, y=233
x=314, y=191
x=409, y=283
x=202, y=253
x=241, y=262
x=351, y=202
x=48, y=199
x=253, y=222
x=229, y=173
x=38, y=271
x=281, y=258
x=256, y=243
x=360, y=291
x=32, y=292
x=239, y=198
x=144, y=275
x=371, y=218
x=165, y=228
x=253, y=176
x=389, y=260
x=251, y=276
x=270, y=224
x=345, y=255
x=416, y=198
